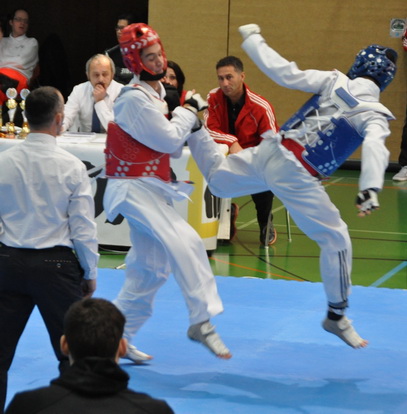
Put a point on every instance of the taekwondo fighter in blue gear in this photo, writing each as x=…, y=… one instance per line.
x=343, y=113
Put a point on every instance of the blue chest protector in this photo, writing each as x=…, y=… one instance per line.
x=335, y=141
x=333, y=146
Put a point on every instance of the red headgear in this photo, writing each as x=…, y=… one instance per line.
x=133, y=39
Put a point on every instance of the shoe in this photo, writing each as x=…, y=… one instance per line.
x=344, y=330
x=271, y=236
x=204, y=333
x=138, y=357
x=401, y=175
x=234, y=212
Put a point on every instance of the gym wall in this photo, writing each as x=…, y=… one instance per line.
x=316, y=34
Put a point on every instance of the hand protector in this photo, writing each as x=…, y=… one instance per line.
x=171, y=96
x=195, y=100
x=249, y=29
x=366, y=201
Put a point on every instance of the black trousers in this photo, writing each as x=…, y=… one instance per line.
x=403, y=145
x=47, y=278
x=264, y=204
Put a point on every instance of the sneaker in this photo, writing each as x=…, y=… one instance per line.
x=138, y=357
x=268, y=238
x=234, y=212
x=344, y=330
x=204, y=333
x=401, y=175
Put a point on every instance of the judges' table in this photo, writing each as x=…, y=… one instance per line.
x=201, y=212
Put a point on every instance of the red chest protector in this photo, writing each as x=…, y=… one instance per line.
x=128, y=158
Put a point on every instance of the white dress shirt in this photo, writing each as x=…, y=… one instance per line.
x=47, y=201
x=79, y=107
x=19, y=53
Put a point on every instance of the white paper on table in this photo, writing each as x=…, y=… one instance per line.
x=76, y=137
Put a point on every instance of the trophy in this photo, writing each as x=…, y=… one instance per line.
x=11, y=105
x=25, y=130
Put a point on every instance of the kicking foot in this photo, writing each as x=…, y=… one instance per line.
x=344, y=330
x=205, y=334
x=138, y=357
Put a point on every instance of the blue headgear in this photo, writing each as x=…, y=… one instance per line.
x=377, y=62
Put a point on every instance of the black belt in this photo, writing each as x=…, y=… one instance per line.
x=48, y=249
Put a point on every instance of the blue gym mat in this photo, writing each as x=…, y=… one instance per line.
x=283, y=361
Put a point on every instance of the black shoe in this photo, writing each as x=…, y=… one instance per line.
x=271, y=236
x=234, y=212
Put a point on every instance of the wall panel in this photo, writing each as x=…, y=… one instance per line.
x=316, y=34
x=195, y=35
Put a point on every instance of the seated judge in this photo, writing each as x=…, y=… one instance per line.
x=89, y=107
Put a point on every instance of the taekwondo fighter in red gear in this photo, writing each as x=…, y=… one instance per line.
x=140, y=142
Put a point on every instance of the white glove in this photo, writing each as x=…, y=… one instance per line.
x=195, y=100
x=366, y=201
x=249, y=29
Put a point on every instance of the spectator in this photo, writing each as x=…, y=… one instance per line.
x=175, y=77
x=402, y=174
x=122, y=74
x=18, y=55
x=92, y=339
x=238, y=118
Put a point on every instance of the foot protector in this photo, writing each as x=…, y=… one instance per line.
x=137, y=356
x=205, y=334
x=344, y=330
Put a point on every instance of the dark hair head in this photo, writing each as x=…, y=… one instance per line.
x=93, y=328
x=126, y=16
x=13, y=13
x=230, y=61
x=41, y=106
x=179, y=74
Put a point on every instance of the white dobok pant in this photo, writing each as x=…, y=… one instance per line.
x=270, y=166
x=162, y=243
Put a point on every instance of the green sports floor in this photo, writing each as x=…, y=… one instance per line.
x=379, y=241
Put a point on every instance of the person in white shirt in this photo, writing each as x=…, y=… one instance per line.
x=89, y=107
x=18, y=55
x=343, y=113
x=48, y=244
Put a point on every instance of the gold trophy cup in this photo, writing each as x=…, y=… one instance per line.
x=25, y=130
x=11, y=105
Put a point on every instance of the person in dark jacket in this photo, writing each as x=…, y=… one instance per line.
x=94, y=382
x=122, y=73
